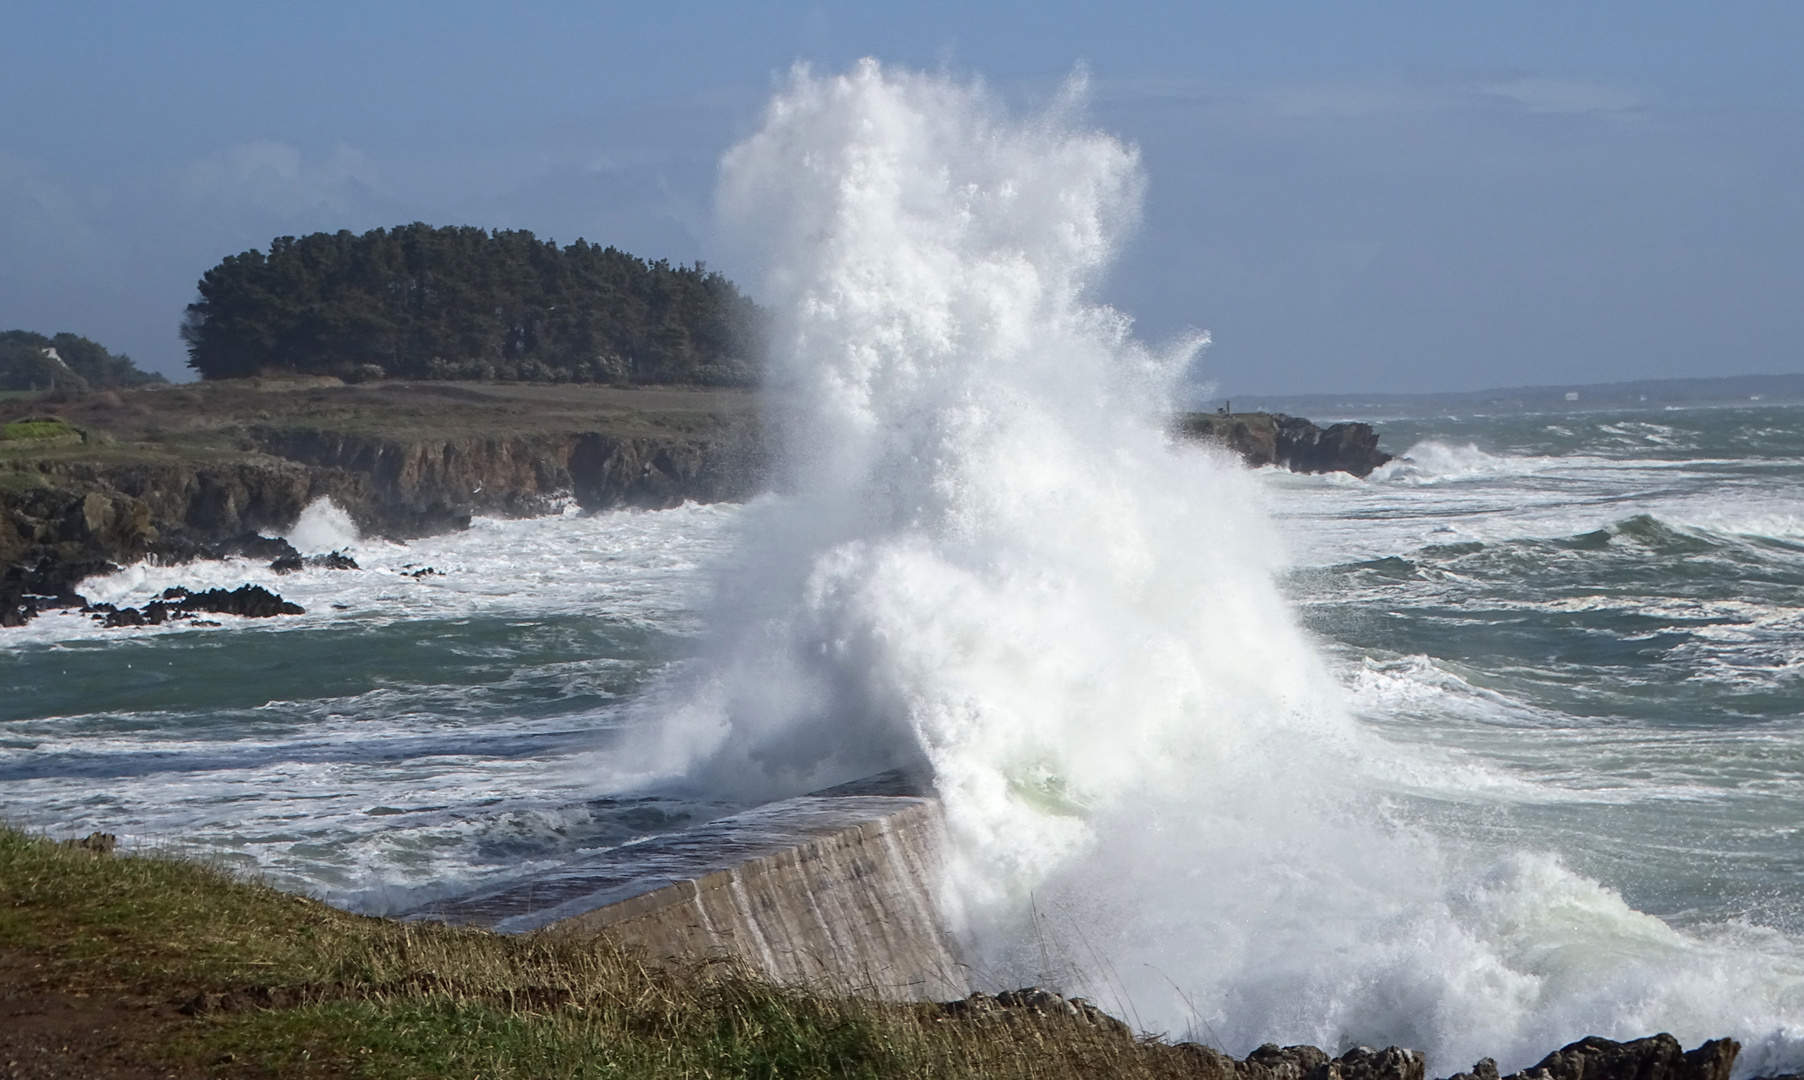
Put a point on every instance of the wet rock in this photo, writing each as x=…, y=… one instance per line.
x=247, y=601
x=251, y=545
x=47, y=585
x=336, y=560
x=1291, y=441
x=1657, y=1057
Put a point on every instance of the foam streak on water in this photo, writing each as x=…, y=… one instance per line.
x=412, y=734
x=995, y=561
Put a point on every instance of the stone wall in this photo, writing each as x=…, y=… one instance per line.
x=823, y=889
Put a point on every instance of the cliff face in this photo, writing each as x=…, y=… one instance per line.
x=1290, y=441
x=63, y=520
x=178, y=472
x=428, y=485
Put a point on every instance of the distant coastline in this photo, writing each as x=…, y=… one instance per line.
x=1571, y=397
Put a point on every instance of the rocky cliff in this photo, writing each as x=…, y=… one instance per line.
x=177, y=472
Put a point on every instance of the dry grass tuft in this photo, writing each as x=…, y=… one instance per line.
x=282, y=985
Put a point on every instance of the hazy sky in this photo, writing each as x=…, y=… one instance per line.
x=1378, y=196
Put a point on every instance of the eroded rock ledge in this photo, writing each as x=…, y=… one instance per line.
x=182, y=472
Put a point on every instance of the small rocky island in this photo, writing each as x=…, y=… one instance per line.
x=1289, y=441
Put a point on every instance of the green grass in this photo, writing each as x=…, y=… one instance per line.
x=284, y=985
x=38, y=428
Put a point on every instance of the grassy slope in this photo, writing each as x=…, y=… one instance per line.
x=214, y=420
x=277, y=984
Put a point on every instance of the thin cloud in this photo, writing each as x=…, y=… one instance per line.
x=275, y=176
x=1562, y=96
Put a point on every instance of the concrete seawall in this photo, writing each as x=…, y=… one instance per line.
x=834, y=888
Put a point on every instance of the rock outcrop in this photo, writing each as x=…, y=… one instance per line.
x=177, y=603
x=1274, y=1062
x=1657, y=1057
x=1290, y=441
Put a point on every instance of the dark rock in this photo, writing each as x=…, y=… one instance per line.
x=253, y=545
x=336, y=560
x=1290, y=441
x=1274, y=1062
x=1486, y=1069
x=124, y=617
x=47, y=584
x=95, y=843
x=1391, y=1063
x=1657, y=1057
x=248, y=601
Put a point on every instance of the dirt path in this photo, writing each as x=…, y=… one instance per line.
x=50, y=1033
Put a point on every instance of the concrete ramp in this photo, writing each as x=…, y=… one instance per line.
x=834, y=887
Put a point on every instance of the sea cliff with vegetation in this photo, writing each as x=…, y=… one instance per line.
x=183, y=471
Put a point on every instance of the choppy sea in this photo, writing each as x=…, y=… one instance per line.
x=1604, y=611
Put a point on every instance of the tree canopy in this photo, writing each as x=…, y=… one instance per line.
x=421, y=302
x=31, y=361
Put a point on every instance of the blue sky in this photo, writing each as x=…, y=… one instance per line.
x=1377, y=196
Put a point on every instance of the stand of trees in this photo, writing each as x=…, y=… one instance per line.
x=31, y=361
x=420, y=302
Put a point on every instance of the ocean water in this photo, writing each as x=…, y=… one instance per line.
x=407, y=738
x=1498, y=748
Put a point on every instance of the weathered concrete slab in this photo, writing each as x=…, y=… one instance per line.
x=835, y=887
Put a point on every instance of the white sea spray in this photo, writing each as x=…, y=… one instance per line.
x=991, y=559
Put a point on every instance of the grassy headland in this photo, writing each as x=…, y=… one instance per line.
x=112, y=476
